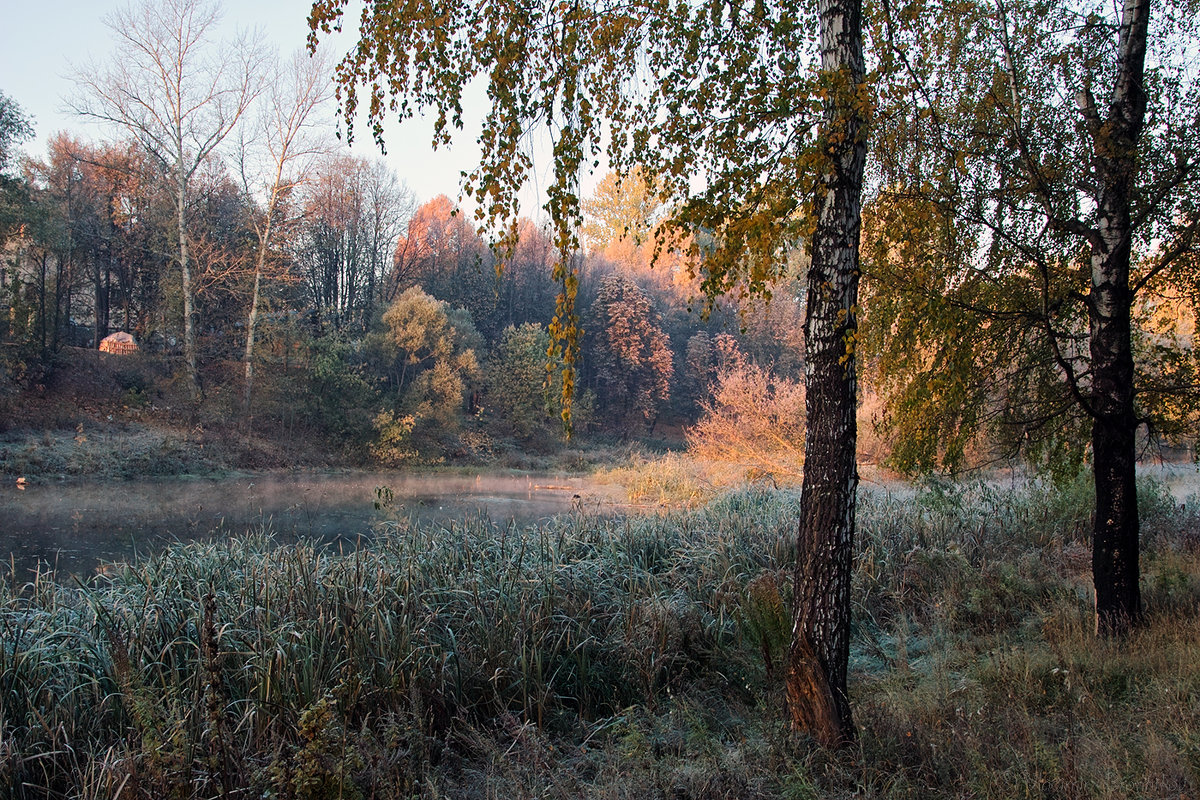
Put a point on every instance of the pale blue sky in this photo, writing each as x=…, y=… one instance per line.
x=40, y=39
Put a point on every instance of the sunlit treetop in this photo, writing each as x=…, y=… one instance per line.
x=622, y=210
x=716, y=101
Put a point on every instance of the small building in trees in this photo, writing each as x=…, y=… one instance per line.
x=119, y=343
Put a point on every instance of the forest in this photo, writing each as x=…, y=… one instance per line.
x=390, y=321
x=881, y=319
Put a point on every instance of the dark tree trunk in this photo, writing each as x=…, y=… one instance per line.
x=819, y=655
x=1115, y=533
x=107, y=297
x=42, y=301
x=98, y=317
x=1115, y=568
x=59, y=279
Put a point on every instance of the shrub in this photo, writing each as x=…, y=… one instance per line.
x=755, y=419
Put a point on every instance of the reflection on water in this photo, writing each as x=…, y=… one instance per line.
x=78, y=525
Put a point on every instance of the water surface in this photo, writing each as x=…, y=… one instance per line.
x=79, y=525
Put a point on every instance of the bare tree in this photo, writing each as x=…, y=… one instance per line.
x=388, y=207
x=179, y=94
x=354, y=211
x=274, y=158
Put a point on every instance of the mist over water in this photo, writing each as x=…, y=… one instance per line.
x=78, y=526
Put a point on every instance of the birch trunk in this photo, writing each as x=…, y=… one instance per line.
x=1115, y=568
x=189, y=328
x=251, y=322
x=819, y=655
x=252, y=317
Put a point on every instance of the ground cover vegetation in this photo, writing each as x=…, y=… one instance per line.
x=604, y=658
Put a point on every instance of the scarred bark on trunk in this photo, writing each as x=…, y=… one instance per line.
x=819, y=655
x=1115, y=534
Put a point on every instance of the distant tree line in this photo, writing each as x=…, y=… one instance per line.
x=365, y=316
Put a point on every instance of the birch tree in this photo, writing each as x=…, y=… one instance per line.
x=178, y=93
x=1042, y=173
x=275, y=156
x=749, y=118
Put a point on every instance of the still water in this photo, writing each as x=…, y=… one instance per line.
x=80, y=525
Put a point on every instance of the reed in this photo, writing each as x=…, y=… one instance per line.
x=588, y=646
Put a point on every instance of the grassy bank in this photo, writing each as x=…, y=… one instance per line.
x=96, y=416
x=610, y=658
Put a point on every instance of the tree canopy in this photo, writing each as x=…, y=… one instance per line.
x=15, y=127
x=989, y=210
x=1040, y=188
x=718, y=104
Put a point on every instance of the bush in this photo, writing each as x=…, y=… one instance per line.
x=755, y=419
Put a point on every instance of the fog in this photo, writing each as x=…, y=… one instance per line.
x=77, y=526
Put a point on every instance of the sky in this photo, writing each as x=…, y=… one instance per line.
x=41, y=40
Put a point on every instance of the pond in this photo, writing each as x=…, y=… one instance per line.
x=77, y=526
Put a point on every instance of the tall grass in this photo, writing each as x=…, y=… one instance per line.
x=600, y=657
x=227, y=647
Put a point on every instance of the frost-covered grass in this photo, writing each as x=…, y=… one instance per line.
x=611, y=658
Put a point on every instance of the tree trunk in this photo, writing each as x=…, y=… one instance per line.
x=107, y=296
x=42, y=302
x=189, y=331
x=251, y=322
x=1115, y=569
x=60, y=277
x=252, y=317
x=1115, y=533
x=818, y=659
x=98, y=317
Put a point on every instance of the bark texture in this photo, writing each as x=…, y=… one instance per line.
x=252, y=317
x=248, y=354
x=185, y=268
x=1115, y=543
x=819, y=655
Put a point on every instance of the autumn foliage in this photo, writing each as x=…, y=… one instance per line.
x=753, y=418
x=633, y=361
